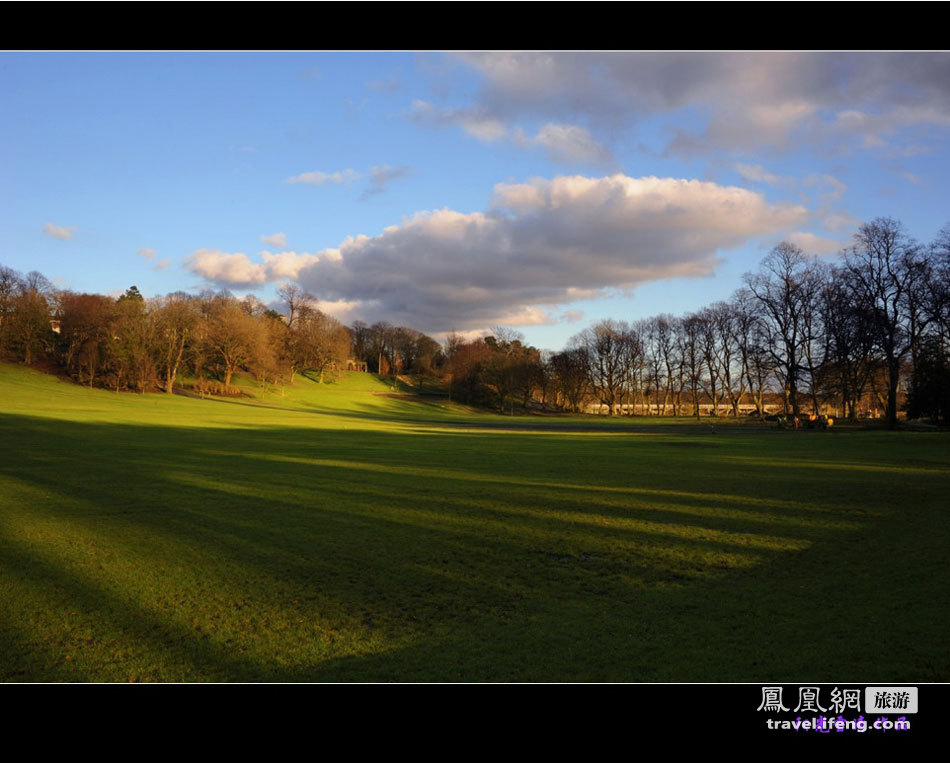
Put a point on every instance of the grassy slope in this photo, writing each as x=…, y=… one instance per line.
x=363, y=537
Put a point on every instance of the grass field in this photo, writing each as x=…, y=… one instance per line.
x=337, y=533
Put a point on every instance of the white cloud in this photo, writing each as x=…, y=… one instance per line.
x=147, y=253
x=338, y=307
x=162, y=264
x=58, y=231
x=233, y=269
x=286, y=265
x=275, y=240
x=525, y=315
x=318, y=178
x=237, y=270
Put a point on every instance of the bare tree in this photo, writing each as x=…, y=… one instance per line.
x=653, y=360
x=296, y=299
x=606, y=345
x=725, y=319
x=786, y=288
x=939, y=294
x=848, y=344
x=711, y=355
x=888, y=275
x=691, y=352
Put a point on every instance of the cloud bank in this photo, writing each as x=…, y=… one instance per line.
x=539, y=245
x=744, y=100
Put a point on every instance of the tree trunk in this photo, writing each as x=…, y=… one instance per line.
x=893, y=377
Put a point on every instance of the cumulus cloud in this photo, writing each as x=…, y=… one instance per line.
x=287, y=265
x=275, y=239
x=318, y=178
x=231, y=269
x=58, y=231
x=543, y=243
x=747, y=99
x=162, y=264
x=540, y=245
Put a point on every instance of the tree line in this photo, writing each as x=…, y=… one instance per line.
x=815, y=333
x=131, y=343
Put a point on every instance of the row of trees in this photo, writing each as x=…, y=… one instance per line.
x=820, y=334
x=131, y=343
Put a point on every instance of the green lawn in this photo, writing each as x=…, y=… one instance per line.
x=331, y=533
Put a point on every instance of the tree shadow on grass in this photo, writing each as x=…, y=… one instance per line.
x=275, y=554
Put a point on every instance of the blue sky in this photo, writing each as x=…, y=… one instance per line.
x=541, y=191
